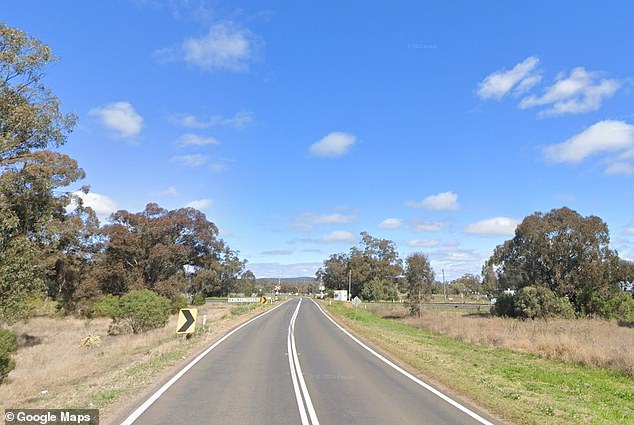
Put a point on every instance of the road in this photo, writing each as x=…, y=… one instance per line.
x=294, y=365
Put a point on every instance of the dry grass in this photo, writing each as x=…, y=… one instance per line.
x=590, y=342
x=55, y=371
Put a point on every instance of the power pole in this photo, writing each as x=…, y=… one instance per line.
x=444, y=291
x=349, y=283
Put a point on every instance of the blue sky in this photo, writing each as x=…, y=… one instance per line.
x=294, y=126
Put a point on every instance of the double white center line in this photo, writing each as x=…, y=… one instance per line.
x=304, y=402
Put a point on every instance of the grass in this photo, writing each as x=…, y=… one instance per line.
x=589, y=342
x=54, y=371
x=520, y=387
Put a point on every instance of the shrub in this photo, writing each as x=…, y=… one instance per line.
x=177, y=303
x=199, y=299
x=143, y=310
x=106, y=306
x=527, y=303
x=504, y=306
x=8, y=344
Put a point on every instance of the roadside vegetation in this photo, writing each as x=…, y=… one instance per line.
x=100, y=370
x=525, y=372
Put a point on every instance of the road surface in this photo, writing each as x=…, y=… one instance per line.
x=294, y=365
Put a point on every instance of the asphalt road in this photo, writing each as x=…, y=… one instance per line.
x=295, y=366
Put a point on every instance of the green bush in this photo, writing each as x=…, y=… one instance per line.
x=177, y=303
x=527, y=303
x=504, y=306
x=143, y=310
x=199, y=299
x=8, y=344
x=619, y=306
x=106, y=306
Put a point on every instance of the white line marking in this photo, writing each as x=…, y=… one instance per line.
x=139, y=411
x=300, y=376
x=298, y=394
x=409, y=375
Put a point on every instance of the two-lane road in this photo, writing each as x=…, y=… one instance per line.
x=253, y=377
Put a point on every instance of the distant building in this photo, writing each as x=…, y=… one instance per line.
x=341, y=295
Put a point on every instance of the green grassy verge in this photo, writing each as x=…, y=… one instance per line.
x=517, y=387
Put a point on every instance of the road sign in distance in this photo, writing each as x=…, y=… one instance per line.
x=356, y=301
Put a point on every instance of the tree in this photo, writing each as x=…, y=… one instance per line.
x=420, y=277
x=562, y=251
x=32, y=210
x=154, y=248
x=375, y=263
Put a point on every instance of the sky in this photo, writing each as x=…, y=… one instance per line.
x=295, y=126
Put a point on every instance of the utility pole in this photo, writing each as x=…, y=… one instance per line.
x=444, y=291
x=349, y=282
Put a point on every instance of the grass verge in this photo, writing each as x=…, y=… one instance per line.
x=518, y=387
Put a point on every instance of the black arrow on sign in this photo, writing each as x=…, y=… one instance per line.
x=189, y=320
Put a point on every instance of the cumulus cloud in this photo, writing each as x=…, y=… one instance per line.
x=445, y=201
x=630, y=229
x=101, y=204
x=390, y=223
x=194, y=160
x=333, y=145
x=190, y=139
x=200, y=205
x=498, y=84
x=613, y=139
x=120, y=117
x=226, y=46
x=496, y=226
x=579, y=92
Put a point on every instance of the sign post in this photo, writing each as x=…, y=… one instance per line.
x=356, y=301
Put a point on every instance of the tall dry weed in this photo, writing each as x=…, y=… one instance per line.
x=590, y=342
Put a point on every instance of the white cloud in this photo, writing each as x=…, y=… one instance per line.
x=630, y=229
x=190, y=139
x=496, y=226
x=306, y=221
x=607, y=137
x=101, y=204
x=119, y=117
x=424, y=226
x=499, y=83
x=194, y=160
x=239, y=120
x=620, y=168
x=422, y=243
x=200, y=205
x=338, y=236
x=390, y=223
x=445, y=201
x=333, y=145
x=226, y=46
x=579, y=92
